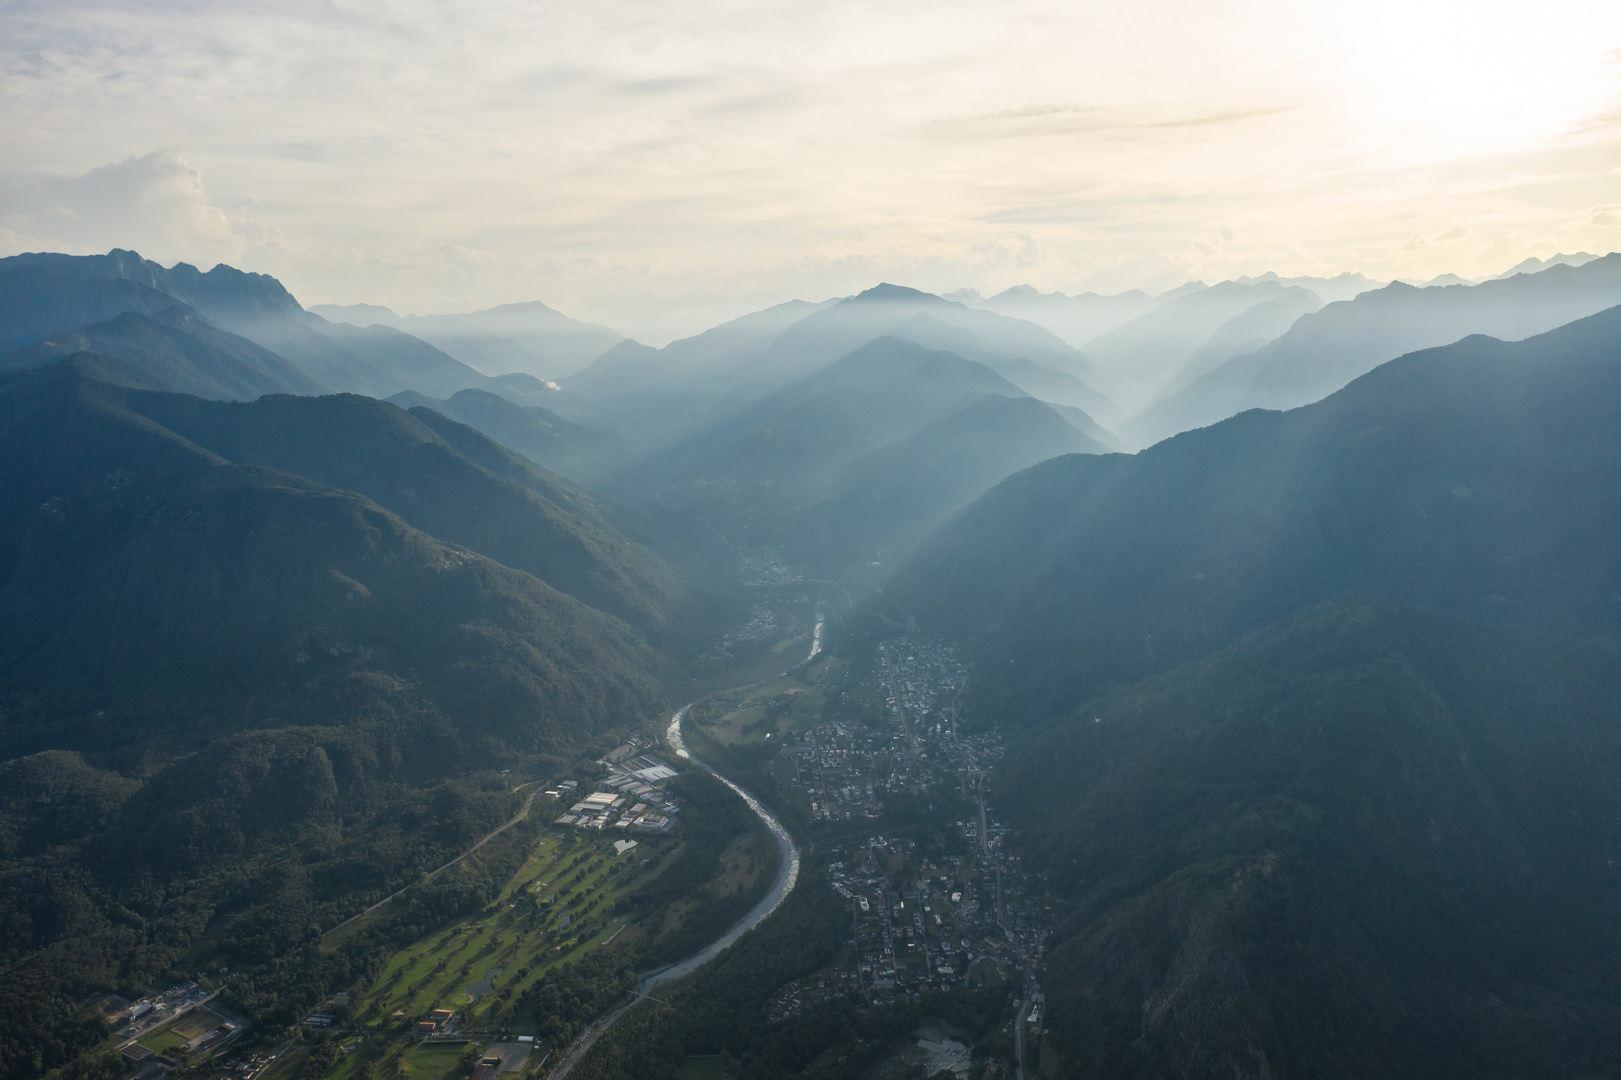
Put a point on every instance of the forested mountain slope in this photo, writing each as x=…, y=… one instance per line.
x=1482, y=478
x=181, y=351
x=378, y=450
x=253, y=692
x=1369, y=841
x=1320, y=744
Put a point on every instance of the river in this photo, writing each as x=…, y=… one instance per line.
x=787, y=870
x=787, y=877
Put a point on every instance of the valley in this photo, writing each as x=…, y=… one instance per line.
x=840, y=692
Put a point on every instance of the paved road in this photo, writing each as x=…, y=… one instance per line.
x=491, y=835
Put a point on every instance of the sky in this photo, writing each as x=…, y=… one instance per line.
x=660, y=168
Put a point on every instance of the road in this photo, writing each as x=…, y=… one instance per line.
x=158, y=1017
x=491, y=835
x=787, y=877
x=985, y=855
x=1018, y=1039
x=893, y=682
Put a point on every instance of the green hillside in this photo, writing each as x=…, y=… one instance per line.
x=181, y=351
x=227, y=688
x=541, y=524
x=1367, y=842
x=1319, y=749
x=1481, y=478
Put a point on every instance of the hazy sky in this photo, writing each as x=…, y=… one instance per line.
x=659, y=167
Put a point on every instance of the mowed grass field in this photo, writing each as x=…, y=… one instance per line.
x=780, y=707
x=430, y=1062
x=558, y=906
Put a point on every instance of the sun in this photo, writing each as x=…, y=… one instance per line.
x=1482, y=76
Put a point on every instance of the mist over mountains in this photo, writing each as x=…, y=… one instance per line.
x=1334, y=687
x=528, y=338
x=1296, y=602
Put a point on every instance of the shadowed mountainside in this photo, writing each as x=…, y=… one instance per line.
x=269, y=696
x=1319, y=708
x=584, y=454
x=378, y=450
x=1481, y=478
x=181, y=351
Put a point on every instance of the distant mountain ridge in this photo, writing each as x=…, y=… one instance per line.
x=527, y=337
x=46, y=294
x=1476, y=477
x=184, y=352
x=755, y=356
x=584, y=454
x=855, y=456
x=1140, y=358
x=1325, y=350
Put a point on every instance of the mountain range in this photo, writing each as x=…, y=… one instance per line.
x=866, y=452
x=1309, y=705
x=1321, y=710
x=1325, y=350
x=715, y=374
x=529, y=338
x=48, y=294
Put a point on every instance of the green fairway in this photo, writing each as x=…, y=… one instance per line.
x=552, y=911
x=431, y=1062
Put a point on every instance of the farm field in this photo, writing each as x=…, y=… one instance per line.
x=556, y=909
x=782, y=706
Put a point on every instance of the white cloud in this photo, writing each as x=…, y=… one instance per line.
x=658, y=167
x=153, y=204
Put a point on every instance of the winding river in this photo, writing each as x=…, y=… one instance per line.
x=787, y=877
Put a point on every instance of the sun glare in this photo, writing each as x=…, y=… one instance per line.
x=1453, y=77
